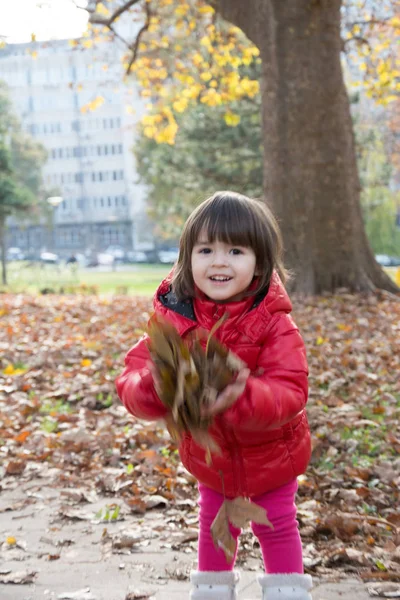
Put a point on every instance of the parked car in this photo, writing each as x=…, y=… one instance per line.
x=169, y=256
x=387, y=261
x=104, y=258
x=117, y=252
x=136, y=256
x=15, y=254
x=49, y=258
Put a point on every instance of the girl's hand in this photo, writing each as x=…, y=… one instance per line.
x=230, y=394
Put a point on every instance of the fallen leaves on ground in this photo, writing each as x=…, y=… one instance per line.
x=18, y=577
x=60, y=416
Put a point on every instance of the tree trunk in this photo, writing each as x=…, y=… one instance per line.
x=310, y=170
x=3, y=250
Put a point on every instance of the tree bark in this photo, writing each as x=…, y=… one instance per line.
x=3, y=250
x=310, y=170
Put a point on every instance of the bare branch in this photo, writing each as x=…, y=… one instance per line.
x=358, y=38
x=369, y=22
x=107, y=21
x=135, y=47
x=80, y=7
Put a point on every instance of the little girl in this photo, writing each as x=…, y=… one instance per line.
x=230, y=262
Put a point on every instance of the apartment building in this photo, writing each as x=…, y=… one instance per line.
x=75, y=103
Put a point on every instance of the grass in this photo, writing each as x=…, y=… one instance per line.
x=136, y=280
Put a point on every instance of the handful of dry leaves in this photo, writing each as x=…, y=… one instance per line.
x=190, y=378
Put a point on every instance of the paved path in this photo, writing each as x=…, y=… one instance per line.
x=74, y=554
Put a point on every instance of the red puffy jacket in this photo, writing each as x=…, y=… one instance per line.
x=264, y=436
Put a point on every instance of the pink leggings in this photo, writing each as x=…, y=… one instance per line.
x=281, y=547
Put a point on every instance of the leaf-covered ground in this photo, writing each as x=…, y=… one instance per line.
x=59, y=413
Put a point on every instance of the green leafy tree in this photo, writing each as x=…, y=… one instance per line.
x=21, y=162
x=379, y=202
x=208, y=154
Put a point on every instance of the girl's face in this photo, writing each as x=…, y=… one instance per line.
x=223, y=272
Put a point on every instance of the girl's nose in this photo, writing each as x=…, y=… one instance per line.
x=219, y=258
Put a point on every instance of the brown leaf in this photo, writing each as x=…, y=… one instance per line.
x=221, y=535
x=240, y=512
x=15, y=467
x=139, y=595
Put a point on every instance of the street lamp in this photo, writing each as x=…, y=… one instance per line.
x=54, y=201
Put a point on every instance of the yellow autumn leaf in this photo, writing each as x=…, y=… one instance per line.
x=92, y=345
x=102, y=10
x=206, y=76
x=86, y=362
x=206, y=10
x=149, y=131
x=321, y=340
x=344, y=327
x=231, y=119
x=205, y=41
x=93, y=105
x=181, y=11
x=180, y=105
x=397, y=277
x=11, y=541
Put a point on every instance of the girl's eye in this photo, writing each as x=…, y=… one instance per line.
x=236, y=251
x=205, y=250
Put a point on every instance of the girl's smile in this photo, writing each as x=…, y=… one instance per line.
x=222, y=271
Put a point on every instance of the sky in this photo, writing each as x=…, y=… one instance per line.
x=47, y=19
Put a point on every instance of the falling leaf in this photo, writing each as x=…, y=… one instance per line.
x=240, y=512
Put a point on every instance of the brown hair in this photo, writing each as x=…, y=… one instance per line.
x=233, y=219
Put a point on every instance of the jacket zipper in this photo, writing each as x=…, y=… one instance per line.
x=239, y=485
